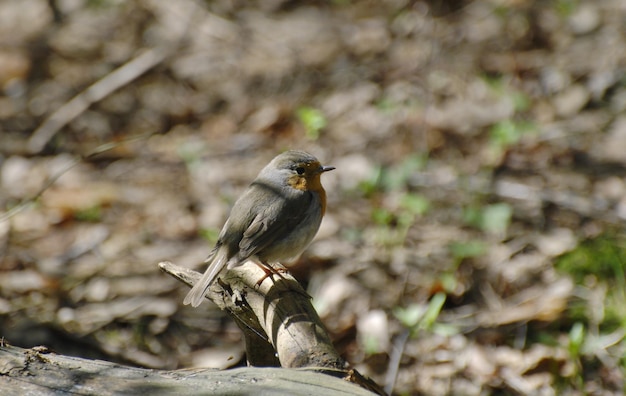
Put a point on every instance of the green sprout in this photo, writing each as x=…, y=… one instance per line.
x=313, y=121
x=493, y=219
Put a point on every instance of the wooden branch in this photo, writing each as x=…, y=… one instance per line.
x=94, y=93
x=259, y=351
x=277, y=319
x=118, y=78
x=37, y=371
x=276, y=314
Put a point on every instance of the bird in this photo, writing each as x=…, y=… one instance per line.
x=274, y=220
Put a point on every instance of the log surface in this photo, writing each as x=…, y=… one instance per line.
x=38, y=372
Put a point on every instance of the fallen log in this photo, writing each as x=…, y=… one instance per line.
x=38, y=371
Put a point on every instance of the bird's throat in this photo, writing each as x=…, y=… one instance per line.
x=311, y=184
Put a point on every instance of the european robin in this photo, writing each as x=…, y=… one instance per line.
x=274, y=220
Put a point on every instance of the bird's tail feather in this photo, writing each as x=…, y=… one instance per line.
x=198, y=291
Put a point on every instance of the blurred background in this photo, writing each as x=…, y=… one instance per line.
x=474, y=240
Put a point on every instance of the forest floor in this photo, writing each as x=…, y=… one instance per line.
x=474, y=239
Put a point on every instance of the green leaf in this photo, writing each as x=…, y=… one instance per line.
x=371, y=345
x=210, y=234
x=409, y=316
x=507, y=133
x=416, y=317
x=313, y=121
x=521, y=101
x=576, y=339
x=93, y=214
x=492, y=218
x=497, y=217
x=473, y=216
x=433, y=310
x=461, y=250
x=372, y=184
x=415, y=204
x=382, y=216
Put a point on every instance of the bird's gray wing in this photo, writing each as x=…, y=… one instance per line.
x=271, y=222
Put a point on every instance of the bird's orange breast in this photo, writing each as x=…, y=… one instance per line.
x=310, y=183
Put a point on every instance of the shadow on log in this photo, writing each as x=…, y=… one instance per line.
x=37, y=371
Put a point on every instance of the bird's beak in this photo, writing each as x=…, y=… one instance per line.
x=326, y=168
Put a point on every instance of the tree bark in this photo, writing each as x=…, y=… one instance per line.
x=279, y=323
x=276, y=316
x=38, y=371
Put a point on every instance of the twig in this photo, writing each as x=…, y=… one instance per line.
x=121, y=76
x=94, y=93
x=98, y=150
x=394, y=360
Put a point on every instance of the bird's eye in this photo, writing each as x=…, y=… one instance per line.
x=300, y=170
